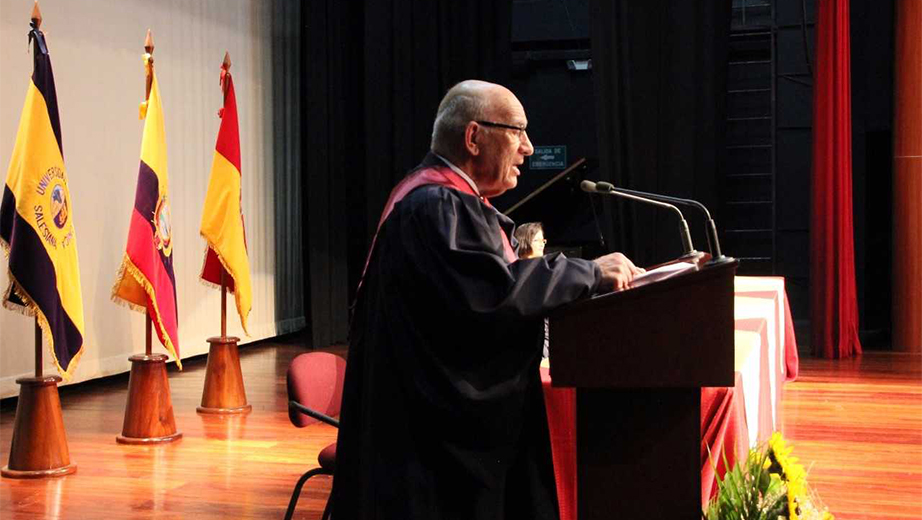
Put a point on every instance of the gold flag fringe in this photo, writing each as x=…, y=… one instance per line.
x=127, y=268
x=142, y=108
x=32, y=309
x=243, y=318
x=201, y=275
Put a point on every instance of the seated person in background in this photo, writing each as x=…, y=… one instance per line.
x=531, y=240
x=531, y=245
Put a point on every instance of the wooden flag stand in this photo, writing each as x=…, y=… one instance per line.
x=149, y=412
x=223, y=392
x=39, y=447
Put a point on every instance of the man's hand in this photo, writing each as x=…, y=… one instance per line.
x=617, y=270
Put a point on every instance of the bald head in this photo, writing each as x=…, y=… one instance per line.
x=480, y=128
x=470, y=100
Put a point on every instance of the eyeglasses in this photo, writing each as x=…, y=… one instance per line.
x=520, y=130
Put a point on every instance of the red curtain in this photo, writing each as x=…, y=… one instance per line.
x=834, y=307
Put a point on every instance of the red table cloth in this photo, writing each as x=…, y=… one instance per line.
x=724, y=425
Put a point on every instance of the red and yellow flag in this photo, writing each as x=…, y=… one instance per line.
x=222, y=219
x=37, y=221
x=145, y=280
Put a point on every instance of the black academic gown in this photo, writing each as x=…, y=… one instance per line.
x=443, y=414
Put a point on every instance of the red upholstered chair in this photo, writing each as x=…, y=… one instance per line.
x=315, y=391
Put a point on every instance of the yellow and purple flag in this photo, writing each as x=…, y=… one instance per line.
x=222, y=218
x=145, y=280
x=37, y=220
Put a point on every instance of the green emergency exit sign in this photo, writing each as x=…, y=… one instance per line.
x=548, y=158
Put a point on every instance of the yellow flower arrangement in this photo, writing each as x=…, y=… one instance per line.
x=769, y=485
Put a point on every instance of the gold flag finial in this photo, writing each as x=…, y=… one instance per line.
x=36, y=16
x=225, y=74
x=148, y=43
x=148, y=72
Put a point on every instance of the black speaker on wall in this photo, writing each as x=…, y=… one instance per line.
x=550, y=20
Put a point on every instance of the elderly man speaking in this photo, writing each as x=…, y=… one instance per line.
x=443, y=415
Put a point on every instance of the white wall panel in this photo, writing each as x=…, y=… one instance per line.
x=96, y=48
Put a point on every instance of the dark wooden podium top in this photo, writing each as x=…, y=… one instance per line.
x=674, y=333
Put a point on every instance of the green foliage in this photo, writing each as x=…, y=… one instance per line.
x=749, y=491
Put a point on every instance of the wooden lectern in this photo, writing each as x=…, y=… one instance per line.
x=638, y=359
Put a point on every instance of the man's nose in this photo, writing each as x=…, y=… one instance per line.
x=525, y=145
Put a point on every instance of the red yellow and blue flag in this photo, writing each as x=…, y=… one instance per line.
x=145, y=280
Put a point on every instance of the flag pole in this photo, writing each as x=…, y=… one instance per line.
x=149, y=49
x=149, y=80
x=38, y=350
x=223, y=304
x=35, y=20
x=224, y=392
x=38, y=448
x=149, y=410
x=148, y=347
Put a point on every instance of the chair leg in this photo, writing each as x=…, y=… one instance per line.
x=297, y=491
x=326, y=509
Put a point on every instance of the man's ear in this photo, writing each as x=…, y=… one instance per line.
x=472, y=138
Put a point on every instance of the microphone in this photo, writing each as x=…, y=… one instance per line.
x=717, y=256
x=607, y=188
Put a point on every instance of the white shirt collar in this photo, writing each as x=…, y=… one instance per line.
x=459, y=172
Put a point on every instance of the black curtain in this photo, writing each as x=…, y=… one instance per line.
x=375, y=72
x=415, y=51
x=331, y=86
x=659, y=69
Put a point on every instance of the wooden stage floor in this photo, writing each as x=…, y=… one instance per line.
x=856, y=425
x=858, y=421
